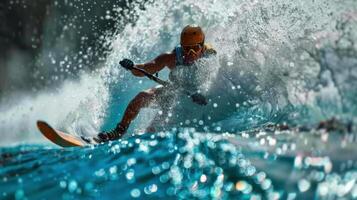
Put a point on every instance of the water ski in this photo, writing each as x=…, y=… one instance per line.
x=60, y=138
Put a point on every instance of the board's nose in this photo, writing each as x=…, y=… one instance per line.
x=58, y=137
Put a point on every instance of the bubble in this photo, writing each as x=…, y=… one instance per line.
x=262, y=141
x=243, y=186
x=144, y=148
x=260, y=176
x=176, y=175
x=130, y=174
x=164, y=178
x=218, y=170
x=215, y=105
x=272, y=141
x=266, y=184
x=303, y=185
x=20, y=194
x=156, y=170
x=170, y=191
x=291, y=196
x=72, y=186
x=323, y=189
x=131, y=161
x=89, y=186
x=113, y=170
x=135, y=193
x=250, y=170
x=203, y=178
x=63, y=184
x=153, y=188
x=165, y=165
x=100, y=173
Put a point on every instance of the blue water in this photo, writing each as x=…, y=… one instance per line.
x=279, y=64
x=181, y=164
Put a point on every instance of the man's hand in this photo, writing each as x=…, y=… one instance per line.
x=127, y=64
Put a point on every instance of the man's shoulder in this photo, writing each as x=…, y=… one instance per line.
x=167, y=55
x=209, y=50
x=167, y=59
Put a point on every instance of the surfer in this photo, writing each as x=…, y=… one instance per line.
x=192, y=47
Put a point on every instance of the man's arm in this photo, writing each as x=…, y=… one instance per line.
x=156, y=65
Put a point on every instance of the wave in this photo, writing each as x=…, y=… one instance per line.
x=277, y=61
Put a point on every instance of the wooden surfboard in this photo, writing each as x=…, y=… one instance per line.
x=60, y=138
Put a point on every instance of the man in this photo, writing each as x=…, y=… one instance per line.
x=192, y=48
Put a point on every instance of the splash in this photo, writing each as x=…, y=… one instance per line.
x=278, y=61
x=76, y=107
x=271, y=58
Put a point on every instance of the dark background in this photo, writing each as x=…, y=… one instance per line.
x=44, y=42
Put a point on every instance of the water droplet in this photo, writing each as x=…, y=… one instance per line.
x=165, y=165
x=100, y=173
x=203, y=178
x=323, y=189
x=303, y=185
x=135, y=193
x=250, y=170
x=89, y=186
x=131, y=161
x=156, y=170
x=130, y=174
x=153, y=188
x=72, y=186
x=266, y=184
x=63, y=184
x=113, y=170
x=164, y=178
x=19, y=194
x=241, y=185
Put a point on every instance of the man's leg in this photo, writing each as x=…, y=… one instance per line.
x=164, y=99
x=143, y=99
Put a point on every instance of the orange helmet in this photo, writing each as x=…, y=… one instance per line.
x=192, y=35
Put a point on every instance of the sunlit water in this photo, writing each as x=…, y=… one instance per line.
x=277, y=62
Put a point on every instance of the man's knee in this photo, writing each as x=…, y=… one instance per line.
x=143, y=98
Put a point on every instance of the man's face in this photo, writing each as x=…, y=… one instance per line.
x=192, y=52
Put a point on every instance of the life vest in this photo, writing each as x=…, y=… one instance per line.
x=208, y=50
x=188, y=76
